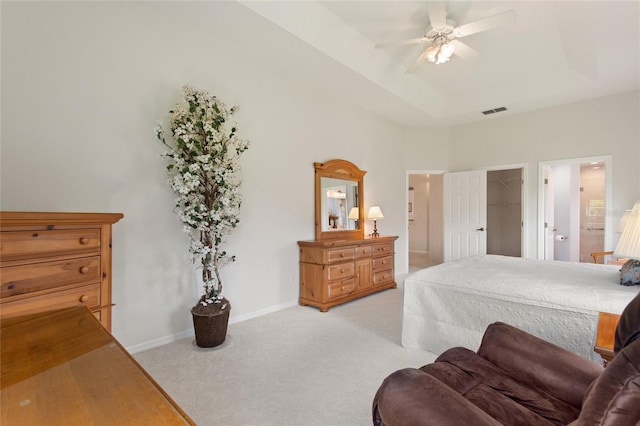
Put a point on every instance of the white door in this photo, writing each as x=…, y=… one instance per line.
x=465, y=214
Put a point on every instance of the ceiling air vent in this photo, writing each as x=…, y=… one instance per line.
x=491, y=111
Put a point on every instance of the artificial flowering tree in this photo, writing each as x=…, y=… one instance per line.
x=203, y=172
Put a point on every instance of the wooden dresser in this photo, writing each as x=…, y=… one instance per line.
x=338, y=271
x=56, y=260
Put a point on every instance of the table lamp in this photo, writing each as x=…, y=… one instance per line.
x=375, y=213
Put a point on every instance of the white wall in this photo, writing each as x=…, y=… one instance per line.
x=82, y=87
x=604, y=126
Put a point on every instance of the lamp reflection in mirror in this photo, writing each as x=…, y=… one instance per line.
x=375, y=213
x=354, y=214
x=629, y=244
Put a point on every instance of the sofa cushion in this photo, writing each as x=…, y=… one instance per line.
x=498, y=393
x=500, y=407
x=410, y=397
x=538, y=363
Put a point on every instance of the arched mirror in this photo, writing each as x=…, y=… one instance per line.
x=339, y=200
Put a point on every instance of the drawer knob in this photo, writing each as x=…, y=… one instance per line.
x=341, y=254
x=84, y=241
x=84, y=269
x=342, y=270
x=84, y=298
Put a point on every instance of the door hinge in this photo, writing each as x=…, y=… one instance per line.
x=546, y=181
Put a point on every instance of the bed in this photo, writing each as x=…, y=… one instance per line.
x=453, y=303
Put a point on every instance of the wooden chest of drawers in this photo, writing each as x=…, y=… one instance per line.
x=334, y=272
x=56, y=260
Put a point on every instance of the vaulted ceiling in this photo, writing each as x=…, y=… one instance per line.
x=553, y=52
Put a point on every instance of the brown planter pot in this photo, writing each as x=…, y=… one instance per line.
x=210, y=327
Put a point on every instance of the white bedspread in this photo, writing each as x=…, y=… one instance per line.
x=452, y=304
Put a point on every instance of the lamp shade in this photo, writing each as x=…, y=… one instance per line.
x=354, y=213
x=623, y=221
x=629, y=244
x=375, y=213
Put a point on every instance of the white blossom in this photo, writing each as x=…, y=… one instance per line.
x=203, y=166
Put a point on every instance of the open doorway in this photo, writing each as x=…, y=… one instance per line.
x=424, y=217
x=504, y=212
x=575, y=195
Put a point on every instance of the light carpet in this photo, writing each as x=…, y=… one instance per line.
x=297, y=366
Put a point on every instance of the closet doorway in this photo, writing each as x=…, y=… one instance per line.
x=504, y=212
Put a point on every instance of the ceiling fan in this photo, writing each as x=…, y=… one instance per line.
x=442, y=34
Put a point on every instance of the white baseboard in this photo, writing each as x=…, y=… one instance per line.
x=262, y=312
x=189, y=333
x=159, y=342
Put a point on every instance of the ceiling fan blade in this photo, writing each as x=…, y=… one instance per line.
x=402, y=42
x=484, y=24
x=437, y=14
x=465, y=52
x=415, y=64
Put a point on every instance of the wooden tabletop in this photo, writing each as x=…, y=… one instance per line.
x=62, y=367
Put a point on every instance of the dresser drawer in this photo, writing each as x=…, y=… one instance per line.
x=341, y=271
x=341, y=288
x=88, y=295
x=18, y=245
x=336, y=255
x=382, y=263
x=381, y=249
x=382, y=277
x=46, y=275
x=363, y=251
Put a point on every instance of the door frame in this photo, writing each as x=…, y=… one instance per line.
x=524, y=237
x=608, y=196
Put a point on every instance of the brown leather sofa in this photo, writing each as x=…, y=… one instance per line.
x=518, y=379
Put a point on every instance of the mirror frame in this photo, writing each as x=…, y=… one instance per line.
x=339, y=169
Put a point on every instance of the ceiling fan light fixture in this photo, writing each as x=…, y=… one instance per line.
x=431, y=54
x=447, y=49
x=442, y=59
x=439, y=52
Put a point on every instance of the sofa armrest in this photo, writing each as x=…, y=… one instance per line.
x=412, y=397
x=532, y=360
